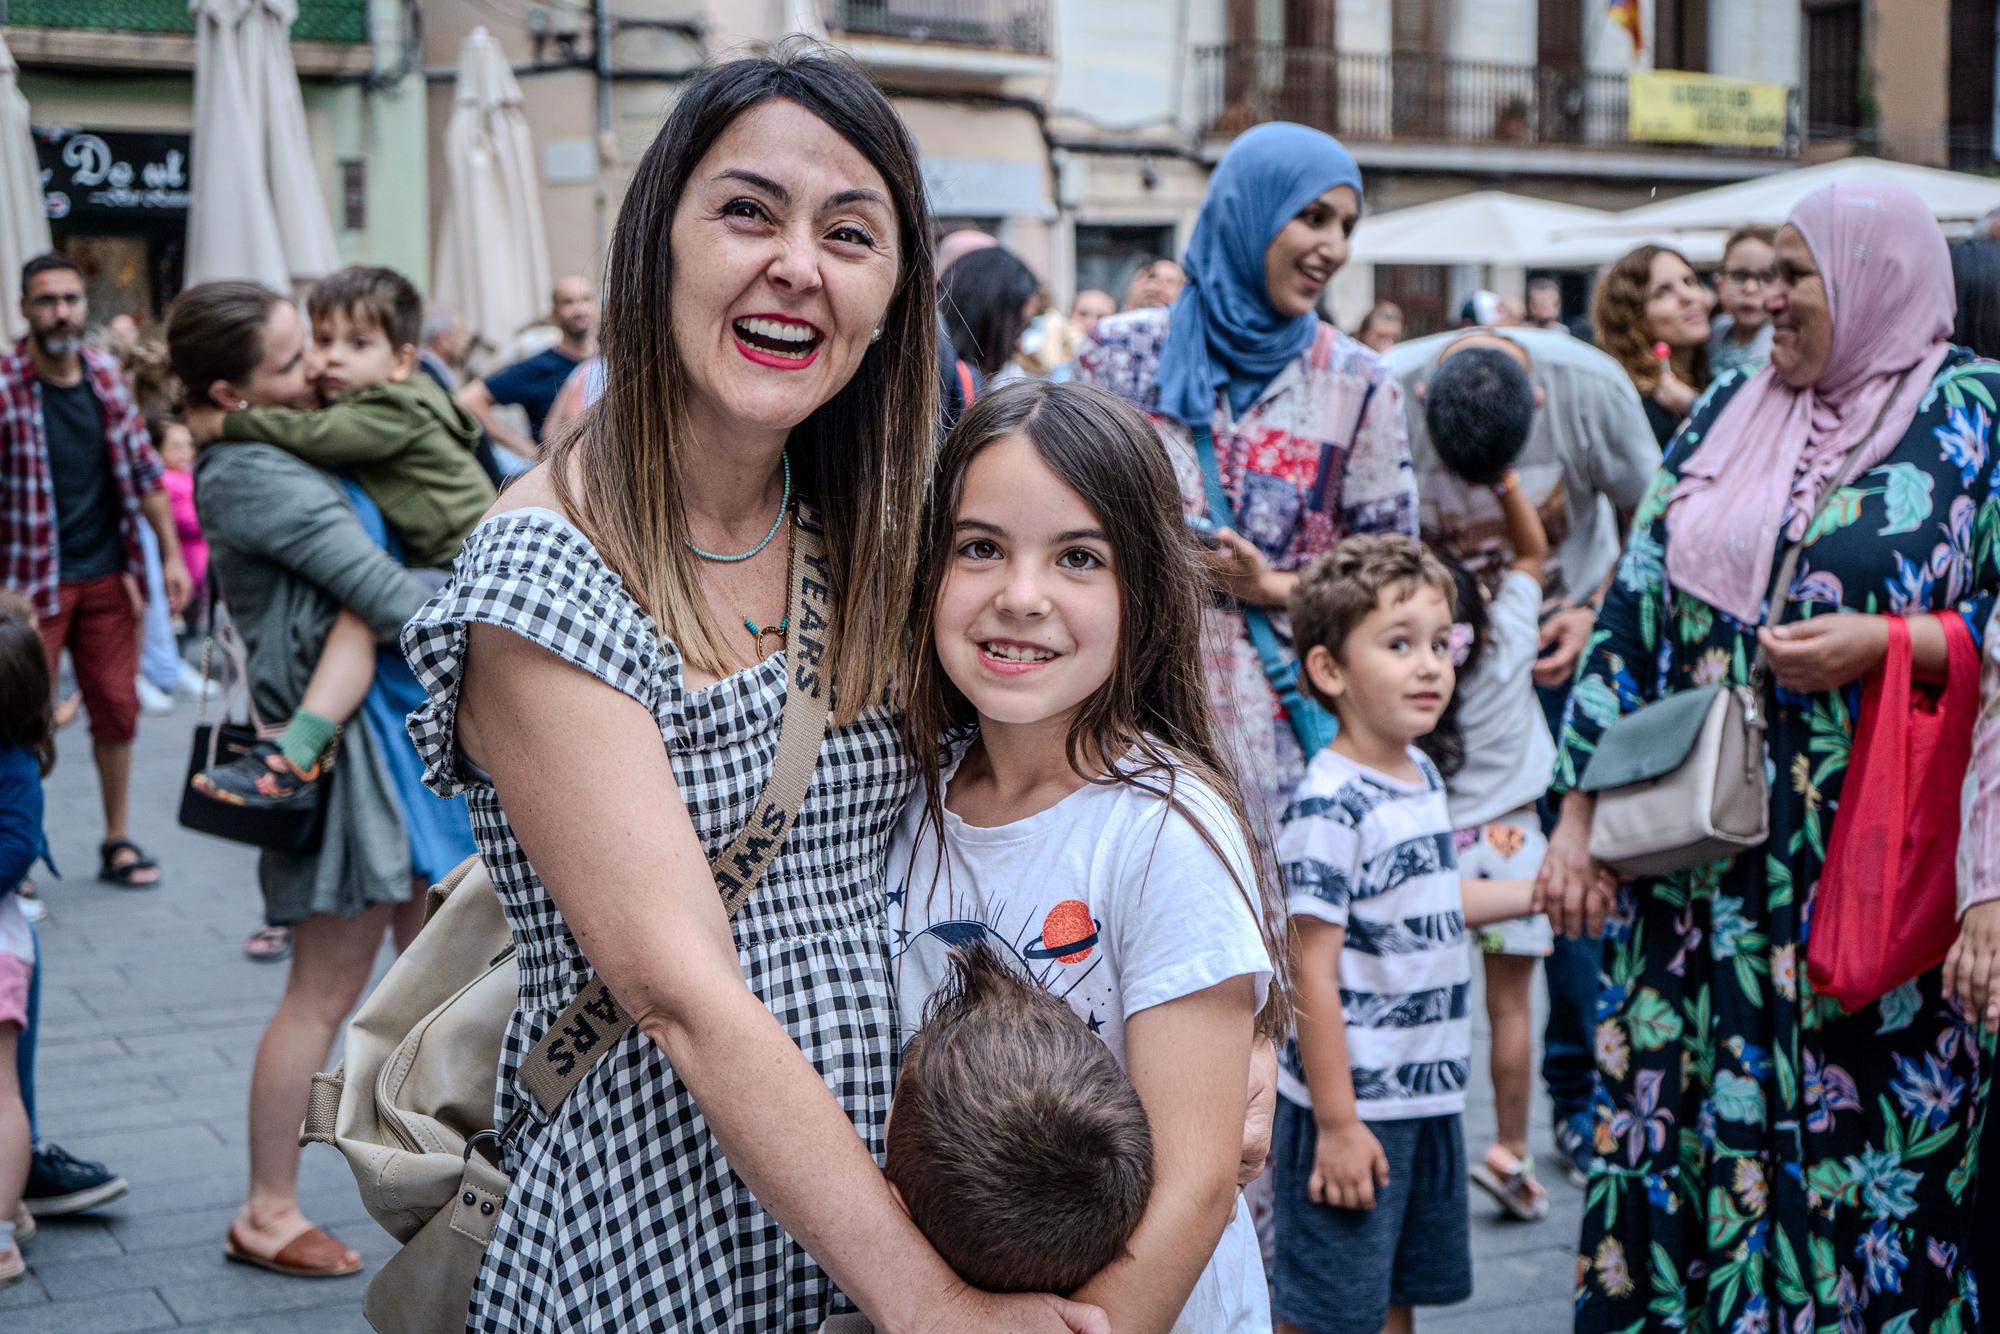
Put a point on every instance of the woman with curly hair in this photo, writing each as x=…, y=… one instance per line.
x=1650, y=298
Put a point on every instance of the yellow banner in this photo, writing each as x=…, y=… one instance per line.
x=1669, y=106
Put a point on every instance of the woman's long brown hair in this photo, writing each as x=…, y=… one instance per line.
x=863, y=458
x=1618, y=314
x=1151, y=720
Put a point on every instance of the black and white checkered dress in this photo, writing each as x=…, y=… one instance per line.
x=623, y=1215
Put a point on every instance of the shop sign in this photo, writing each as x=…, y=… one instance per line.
x=112, y=174
x=1669, y=106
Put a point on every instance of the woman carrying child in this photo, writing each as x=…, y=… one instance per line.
x=290, y=552
x=1306, y=424
x=1078, y=815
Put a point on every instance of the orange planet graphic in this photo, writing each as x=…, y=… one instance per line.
x=1069, y=933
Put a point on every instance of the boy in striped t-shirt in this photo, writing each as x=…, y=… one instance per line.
x=1368, y=1153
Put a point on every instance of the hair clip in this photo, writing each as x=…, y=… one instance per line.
x=1461, y=642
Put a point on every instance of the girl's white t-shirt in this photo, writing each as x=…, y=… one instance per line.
x=1112, y=900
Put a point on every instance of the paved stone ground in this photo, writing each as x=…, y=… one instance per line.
x=151, y=1016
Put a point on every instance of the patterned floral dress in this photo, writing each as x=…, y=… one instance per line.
x=1772, y=1163
x=1322, y=453
x=624, y=1214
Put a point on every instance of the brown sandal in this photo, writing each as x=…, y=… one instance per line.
x=314, y=1253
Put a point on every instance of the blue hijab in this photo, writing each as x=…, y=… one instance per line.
x=1223, y=330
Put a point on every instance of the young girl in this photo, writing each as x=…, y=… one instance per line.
x=1077, y=811
x=1494, y=749
x=27, y=751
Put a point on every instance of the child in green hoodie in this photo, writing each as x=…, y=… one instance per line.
x=410, y=447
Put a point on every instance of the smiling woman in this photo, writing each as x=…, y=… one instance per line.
x=599, y=687
x=1305, y=424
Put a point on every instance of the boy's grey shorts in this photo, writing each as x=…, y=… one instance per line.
x=1338, y=1271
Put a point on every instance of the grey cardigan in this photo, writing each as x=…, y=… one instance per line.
x=288, y=552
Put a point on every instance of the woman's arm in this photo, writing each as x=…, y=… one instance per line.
x=584, y=779
x=1189, y=1060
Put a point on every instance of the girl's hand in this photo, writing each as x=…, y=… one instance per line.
x=1826, y=652
x=1673, y=393
x=1242, y=570
x=1563, y=637
x=1575, y=889
x=1348, y=1167
x=1972, y=969
x=1258, y=1111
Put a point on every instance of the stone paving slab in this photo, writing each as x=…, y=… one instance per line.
x=151, y=1016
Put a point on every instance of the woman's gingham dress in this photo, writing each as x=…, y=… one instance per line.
x=624, y=1215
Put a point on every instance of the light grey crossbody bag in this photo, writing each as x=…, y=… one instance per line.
x=1680, y=782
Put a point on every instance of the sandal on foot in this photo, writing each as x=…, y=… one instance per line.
x=129, y=874
x=25, y=1226
x=1511, y=1182
x=269, y=944
x=261, y=778
x=314, y=1253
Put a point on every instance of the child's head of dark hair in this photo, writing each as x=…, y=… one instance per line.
x=27, y=709
x=1337, y=592
x=1445, y=743
x=376, y=297
x=1479, y=407
x=1154, y=706
x=1016, y=1142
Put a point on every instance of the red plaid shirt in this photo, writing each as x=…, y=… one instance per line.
x=29, y=562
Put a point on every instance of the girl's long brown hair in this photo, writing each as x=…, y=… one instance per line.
x=863, y=458
x=27, y=703
x=1618, y=314
x=1150, y=721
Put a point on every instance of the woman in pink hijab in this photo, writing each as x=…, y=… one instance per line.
x=1771, y=1162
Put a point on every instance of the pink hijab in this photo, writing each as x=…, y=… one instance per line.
x=1774, y=450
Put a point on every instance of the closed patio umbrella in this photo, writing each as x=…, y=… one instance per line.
x=24, y=220
x=492, y=254
x=257, y=212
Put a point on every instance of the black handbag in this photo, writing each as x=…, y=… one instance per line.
x=293, y=831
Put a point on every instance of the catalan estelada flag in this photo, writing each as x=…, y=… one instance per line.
x=1625, y=13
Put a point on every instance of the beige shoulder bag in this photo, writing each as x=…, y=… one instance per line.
x=1680, y=782
x=411, y=1106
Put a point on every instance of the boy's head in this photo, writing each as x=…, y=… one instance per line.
x=365, y=325
x=1480, y=406
x=1371, y=620
x=1016, y=1143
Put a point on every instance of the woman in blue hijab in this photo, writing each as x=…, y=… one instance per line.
x=1303, y=424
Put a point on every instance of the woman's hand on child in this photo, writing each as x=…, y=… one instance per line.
x=1258, y=1111
x=1575, y=889
x=1972, y=969
x=1348, y=1167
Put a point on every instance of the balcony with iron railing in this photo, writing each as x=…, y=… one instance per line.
x=1018, y=27
x=1418, y=97
x=318, y=21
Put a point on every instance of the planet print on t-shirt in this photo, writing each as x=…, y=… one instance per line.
x=1069, y=933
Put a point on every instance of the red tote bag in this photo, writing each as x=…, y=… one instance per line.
x=1886, y=908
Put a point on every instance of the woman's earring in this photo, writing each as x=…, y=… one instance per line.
x=242, y=403
x=876, y=337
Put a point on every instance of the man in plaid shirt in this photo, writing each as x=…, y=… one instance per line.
x=77, y=476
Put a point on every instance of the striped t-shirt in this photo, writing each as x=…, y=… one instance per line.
x=1373, y=855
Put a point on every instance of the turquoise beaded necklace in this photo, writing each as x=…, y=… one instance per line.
x=784, y=504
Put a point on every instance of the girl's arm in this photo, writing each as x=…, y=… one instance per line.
x=1525, y=534
x=1189, y=1060
x=581, y=773
x=1488, y=901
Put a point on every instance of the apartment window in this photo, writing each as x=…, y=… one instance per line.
x=1833, y=67
x=1680, y=34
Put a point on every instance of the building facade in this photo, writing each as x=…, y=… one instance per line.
x=110, y=84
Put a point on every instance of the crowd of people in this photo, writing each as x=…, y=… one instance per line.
x=1193, y=691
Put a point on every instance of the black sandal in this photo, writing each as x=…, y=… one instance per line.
x=125, y=874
